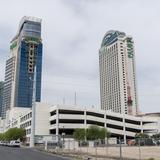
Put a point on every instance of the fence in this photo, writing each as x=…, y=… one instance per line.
x=138, y=149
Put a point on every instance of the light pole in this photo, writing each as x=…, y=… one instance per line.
x=32, y=137
x=63, y=134
x=106, y=136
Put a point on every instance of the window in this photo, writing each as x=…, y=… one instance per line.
x=133, y=130
x=114, y=126
x=95, y=122
x=71, y=121
x=114, y=118
x=95, y=114
x=52, y=113
x=53, y=122
x=132, y=121
x=71, y=112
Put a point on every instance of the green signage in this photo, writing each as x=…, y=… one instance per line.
x=130, y=48
x=13, y=45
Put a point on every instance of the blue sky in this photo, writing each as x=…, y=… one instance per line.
x=72, y=31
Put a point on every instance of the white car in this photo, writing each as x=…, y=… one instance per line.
x=1, y=143
x=14, y=143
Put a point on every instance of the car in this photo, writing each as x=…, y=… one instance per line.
x=4, y=143
x=8, y=144
x=14, y=143
x=1, y=143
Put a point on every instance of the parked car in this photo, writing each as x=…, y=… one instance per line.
x=8, y=144
x=14, y=143
x=1, y=143
x=4, y=143
x=156, y=142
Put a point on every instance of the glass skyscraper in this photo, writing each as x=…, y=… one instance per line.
x=25, y=54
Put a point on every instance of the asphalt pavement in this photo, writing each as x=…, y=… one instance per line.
x=9, y=153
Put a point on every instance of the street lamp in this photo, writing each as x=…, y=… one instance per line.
x=63, y=134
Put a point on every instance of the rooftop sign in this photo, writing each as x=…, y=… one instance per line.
x=13, y=45
x=111, y=37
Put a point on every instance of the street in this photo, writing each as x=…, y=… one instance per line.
x=9, y=153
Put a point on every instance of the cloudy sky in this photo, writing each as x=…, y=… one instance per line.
x=72, y=31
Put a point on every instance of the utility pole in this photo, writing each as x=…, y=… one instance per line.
x=63, y=101
x=75, y=99
x=32, y=137
x=120, y=148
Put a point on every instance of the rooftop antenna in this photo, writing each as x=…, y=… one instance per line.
x=75, y=99
x=63, y=101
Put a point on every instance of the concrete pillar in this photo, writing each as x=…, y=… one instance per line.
x=141, y=123
x=124, y=130
x=85, y=121
x=57, y=123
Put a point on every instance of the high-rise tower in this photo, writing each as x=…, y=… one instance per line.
x=117, y=73
x=1, y=96
x=25, y=53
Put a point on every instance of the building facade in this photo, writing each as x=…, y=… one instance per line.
x=1, y=96
x=58, y=119
x=117, y=73
x=25, y=54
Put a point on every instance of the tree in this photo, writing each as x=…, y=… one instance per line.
x=143, y=139
x=15, y=133
x=156, y=135
x=104, y=133
x=2, y=136
x=79, y=134
x=94, y=132
x=156, y=138
x=141, y=135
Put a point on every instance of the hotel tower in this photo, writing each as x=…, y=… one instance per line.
x=118, y=91
x=25, y=54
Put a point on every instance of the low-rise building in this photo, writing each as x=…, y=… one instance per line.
x=58, y=119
